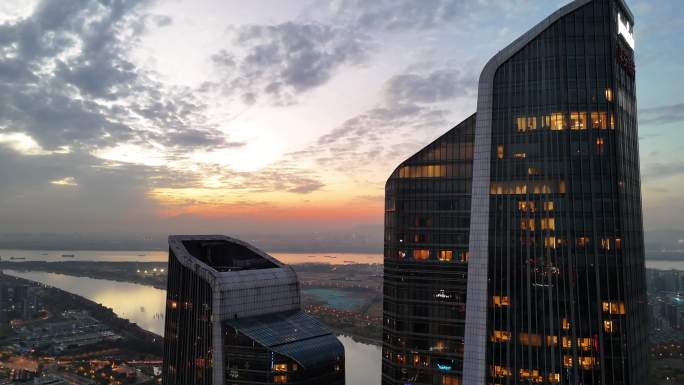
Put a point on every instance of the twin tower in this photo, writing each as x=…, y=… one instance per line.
x=513, y=251
x=514, y=246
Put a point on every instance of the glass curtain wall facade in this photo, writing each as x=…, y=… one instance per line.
x=427, y=220
x=566, y=254
x=554, y=269
x=188, y=327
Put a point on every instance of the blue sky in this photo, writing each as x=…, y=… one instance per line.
x=267, y=115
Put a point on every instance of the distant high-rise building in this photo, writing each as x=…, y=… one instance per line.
x=514, y=243
x=233, y=317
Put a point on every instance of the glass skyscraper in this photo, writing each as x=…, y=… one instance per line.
x=514, y=243
x=233, y=317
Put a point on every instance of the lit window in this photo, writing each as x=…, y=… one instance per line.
x=612, y=121
x=521, y=189
x=421, y=254
x=526, y=123
x=446, y=255
x=609, y=94
x=599, y=146
x=522, y=124
x=566, y=343
x=280, y=379
x=280, y=367
x=561, y=187
x=501, y=300
x=427, y=171
x=598, y=120
x=618, y=243
x=501, y=336
x=548, y=206
x=532, y=171
x=500, y=151
x=582, y=241
x=578, y=120
x=605, y=243
x=520, y=155
x=465, y=255
x=554, y=378
x=565, y=324
x=500, y=371
x=586, y=362
x=531, y=375
x=527, y=224
x=450, y=380
x=401, y=253
x=567, y=361
x=550, y=242
x=530, y=339
x=551, y=340
x=526, y=206
x=608, y=326
x=548, y=224
x=613, y=307
x=557, y=121
x=546, y=121
x=584, y=344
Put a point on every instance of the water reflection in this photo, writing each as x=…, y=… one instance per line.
x=162, y=256
x=144, y=305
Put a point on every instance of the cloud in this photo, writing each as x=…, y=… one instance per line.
x=397, y=15
x=67, y=181
x=657, y=170
x=434, y=87
x=662, y=115
x=284, y=60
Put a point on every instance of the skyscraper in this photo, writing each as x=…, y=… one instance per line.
x=233, y=317
x=514, y=243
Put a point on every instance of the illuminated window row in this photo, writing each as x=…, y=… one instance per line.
x=436, y=171
x=536, y=340
x=443, y=256
x=522, y=188
x=530, y=224
x=534, y=375
x=531, y=207
x=586, y=363
x=501, y=300
x=559, y=121
x=613, y=307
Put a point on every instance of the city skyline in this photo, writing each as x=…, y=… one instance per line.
x=136, y=116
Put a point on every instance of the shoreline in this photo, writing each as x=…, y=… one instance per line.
x=44, y=267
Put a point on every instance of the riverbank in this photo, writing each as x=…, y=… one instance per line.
x=347, y=299
x=142, y=273
x=56, y=301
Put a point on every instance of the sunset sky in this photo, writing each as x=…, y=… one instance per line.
x=271, y=116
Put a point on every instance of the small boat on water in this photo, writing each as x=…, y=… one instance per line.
x=68, y=255
x=329, y=256
x=17, y=258
x=44, y=254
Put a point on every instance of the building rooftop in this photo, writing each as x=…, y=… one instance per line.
x=225, y=254
x=294, y=334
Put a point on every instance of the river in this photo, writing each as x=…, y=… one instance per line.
x=144, y=305
x=163, y=256
x=289, y=258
